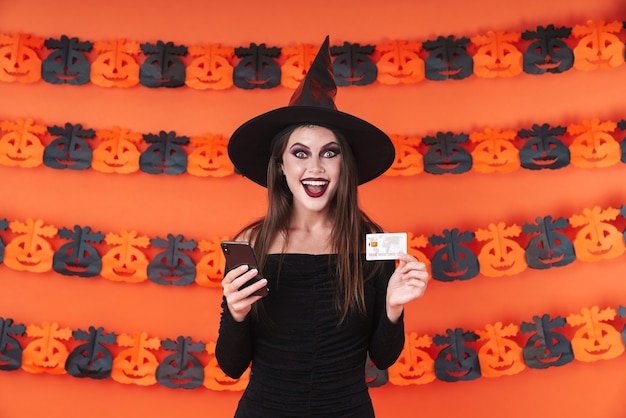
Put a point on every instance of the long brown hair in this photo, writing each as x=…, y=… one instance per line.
x=350, y=223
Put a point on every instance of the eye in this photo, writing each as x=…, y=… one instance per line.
x=300, y=153
x=330, y=153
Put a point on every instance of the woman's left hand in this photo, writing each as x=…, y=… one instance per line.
x=408, y=282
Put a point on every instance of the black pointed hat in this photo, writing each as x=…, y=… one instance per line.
x=249, y=147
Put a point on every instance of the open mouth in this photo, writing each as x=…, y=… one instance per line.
x=315, y=188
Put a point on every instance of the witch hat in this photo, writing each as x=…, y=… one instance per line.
x=313, y=102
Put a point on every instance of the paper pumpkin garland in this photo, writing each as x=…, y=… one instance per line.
x=598, y=47
x=547, y=52
x=117, y=153
x=375, y=377
x=163, y=66
x=597, y=239
x=500, y=355
x=210, y=157
x=21, y=145
x=497, y=56
x=594, y=146
x=501, y=255
x=408, y=159
x=454, y=261
x=91, y=359
x=457, y=360
x=172, y=266
x=69, y=150
x=494, y=151
x=352, y=64
x=67, y=64
x=19, y=61
x=414, y=366
x=136, y=364
x=257, y=68
x=298, y=60
x=165, y=154
x=10, y=348
x=30, y=251
x=546, y=347
x=115, y=65
x=400, y=63
x=4, y=224
x=448, y=59
x=548, y=247
x=210, y=68
x=78, y=257
x=216, y=379
x=446, y=154
x=125, y=262
x=181, y=369
x=543, y=149
x=595, y=339
x=210, y=268
x=46, y=353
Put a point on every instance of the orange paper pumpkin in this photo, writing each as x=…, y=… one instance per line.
x=136, y=364
x=298, y=60
x=400, y=63
x=117, y=153
x=125, y=262
x=494, y=151
x=115, y=66
x=496, y=55
x=408, y=160
x=414, y=365
x=500, y=356
x=18, y=59
x=414, y=243
x=597, y=239
x=594, y=146
x=215, y=379
x=598, y=47
x=595, y=339
x=210, y=68
x=210, y=157
x=21, y=145
x=30, y=251
x=210, y=269
x=46, y=354
x=501, y=255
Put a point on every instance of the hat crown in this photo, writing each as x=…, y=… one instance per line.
x=318, y=87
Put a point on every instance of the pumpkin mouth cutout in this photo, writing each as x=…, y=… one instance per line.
x=497, y=68
x=230, y=382
x=208, y=80
x=412, y=376
x=594, y=159
x=66, y=77
x=600, y=253
x=75, y=268
x=498, y=163
x=458, y=373
x=551, y=260
x=20, y=157
x=124, y=271
x=16, y=73
x=502, y=367
x=450, y=72
x=400, y=74
x=180, y=381
x=544, y=161
x=600, y=61
x=599, y=351
x=170, y=277
x=456, y=273
x=28, y=262
x=548, y=359
x=448, y=165
x=258, y=82
x=65, y=162
x=506, y=267
x=116, y=79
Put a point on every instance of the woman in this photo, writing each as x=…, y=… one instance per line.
x=327, y=308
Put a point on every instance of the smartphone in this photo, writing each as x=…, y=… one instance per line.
x=238, y=253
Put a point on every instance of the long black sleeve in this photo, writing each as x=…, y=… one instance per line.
x=233, y=349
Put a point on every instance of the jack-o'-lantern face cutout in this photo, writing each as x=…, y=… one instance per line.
x=595, y=339
x=78, y=257
x=598, y=47
x=446, y=154
x=210, y=157
x=91, y=359
x=352, y=64
x=10, y=348
x=136, y=364
x=455, y=261
x=67, y=64
x=501, y=255
x=414, y=365
x=162, y=66
x=216, y=379
x=543, y=149
x=30, y=251
x=496, y=55
x=172, y=266
x=210, y=269
x=298, y=60
x=598, y=239
x=548, y=247
x=547, y=52
x=46, y=353
x=400, y=63
x=415, y=243
x=181, y=369
x=448, y=59
x=117, y=153
x=374, y=377
x=18, y=58
x=69, y=150
x=125, y=262
x=115, y=66
x=457, y=361
x=257, y=68
x=594, y=146
x=546, y=347
x=408, y=160
x=210, y=68
x=494, y=151
x=21, y=145
x=165, y=154
x=499, y=355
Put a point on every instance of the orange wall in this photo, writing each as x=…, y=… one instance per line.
x=203, y=208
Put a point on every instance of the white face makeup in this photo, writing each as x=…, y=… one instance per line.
x=311, y=165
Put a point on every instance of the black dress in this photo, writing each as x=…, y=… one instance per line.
x=303, y=363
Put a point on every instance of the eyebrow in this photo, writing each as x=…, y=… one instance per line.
x=305, y=146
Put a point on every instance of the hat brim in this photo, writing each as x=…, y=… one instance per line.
x=249, y=147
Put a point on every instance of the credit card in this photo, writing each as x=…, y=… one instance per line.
x=385, y=246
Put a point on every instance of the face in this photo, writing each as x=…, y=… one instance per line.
x=311, y=165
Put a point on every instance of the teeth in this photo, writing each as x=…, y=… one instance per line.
x=314, y=183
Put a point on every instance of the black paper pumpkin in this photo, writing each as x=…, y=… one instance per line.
x=10, y=348
x=78, y=257
x=165, y=154
x=548, y=248
x=69, y=150
x=172, y=266
x=163, y=66
x=374, y=377
x=3, y=226
x=621, y=311
x=257, y=69
x=548, y=53
x=457, y=360
x=543, y=149
x=68, y=64
x=91, y=359
x=352, y=64
x=546, y=347
x=448, y=59
x=454, y=261
x=622, y=125
x=181, y=369
x=446, y=155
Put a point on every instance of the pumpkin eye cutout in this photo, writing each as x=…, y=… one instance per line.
x=597, y=239
x=46, y=353
x=19, y=61
x=546, y=347
x=352, y=64
x=21, y=145
x=547, y=52
x=181, y=369
x=457, y=361
x=599, y=46
x=30, y=250
x=210, y=157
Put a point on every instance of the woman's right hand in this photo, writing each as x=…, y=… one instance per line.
x=240, y=301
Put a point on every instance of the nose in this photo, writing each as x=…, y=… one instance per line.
x=316, y=165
